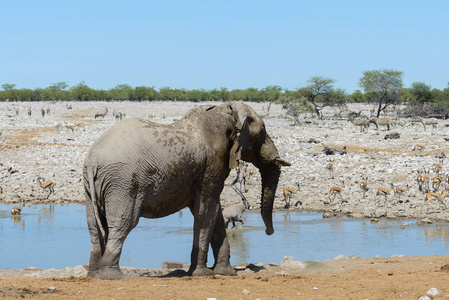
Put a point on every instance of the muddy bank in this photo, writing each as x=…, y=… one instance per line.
x=365, y=278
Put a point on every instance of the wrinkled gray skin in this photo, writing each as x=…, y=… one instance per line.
x=143, y=169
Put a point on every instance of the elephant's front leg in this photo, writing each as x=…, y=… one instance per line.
x=205, y=218
x=221, y=249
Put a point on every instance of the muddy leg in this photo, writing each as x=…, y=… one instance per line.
x=221, y=249
x=205, y=215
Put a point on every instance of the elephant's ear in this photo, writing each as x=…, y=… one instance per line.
x=235, y=154
x=238, y=115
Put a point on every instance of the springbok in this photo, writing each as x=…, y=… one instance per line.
x=335, y=190
x=17, y=209
x=398, y=191
x=436, y=182
x=240, y=176
x=330, y=169
x=420, y=180
x=288, y=192
x=46, y=185
x=438, y=167
x=384, y=192
x=420, y=147
x=363, y=185
x=438, y=197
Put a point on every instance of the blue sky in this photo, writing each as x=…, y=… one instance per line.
x=212, y=44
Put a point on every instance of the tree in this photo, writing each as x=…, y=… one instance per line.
x=320, y=92
x=58, y=86
x=9, y=91
x=8, y=86
x=122, y=92
x=224, y=93
x=271, y=93
x=144, y=93
x=356, y=97
x=421, y=92
x=56, y=91
x=82, y=92
x=382, y=86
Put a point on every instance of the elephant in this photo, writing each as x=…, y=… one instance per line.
x=138, y=168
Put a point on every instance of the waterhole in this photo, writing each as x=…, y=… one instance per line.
x=56, y=236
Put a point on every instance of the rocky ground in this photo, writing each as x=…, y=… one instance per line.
x=33, y=146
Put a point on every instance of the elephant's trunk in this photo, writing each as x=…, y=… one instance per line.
x=270, y=177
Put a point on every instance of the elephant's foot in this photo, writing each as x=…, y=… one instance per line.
x=107, y=273
x=226, y=270
x=203, y=272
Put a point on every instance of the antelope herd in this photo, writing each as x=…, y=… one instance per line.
x=423, y=180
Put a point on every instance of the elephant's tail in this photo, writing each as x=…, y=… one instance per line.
x=91, y=171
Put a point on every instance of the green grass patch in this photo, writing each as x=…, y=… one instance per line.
x=315, y=264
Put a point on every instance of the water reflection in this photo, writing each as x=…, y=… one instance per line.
x=436, y=234
x=18, y=221
x=239, y=244
x=58, y=236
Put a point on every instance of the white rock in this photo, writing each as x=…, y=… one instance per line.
x=339, y=257
x=433, y=292
x=289, y=263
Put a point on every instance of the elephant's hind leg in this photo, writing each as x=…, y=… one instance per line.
x=119, y=228
x=95, y=242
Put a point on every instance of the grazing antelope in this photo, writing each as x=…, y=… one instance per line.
x=46, y=185
x=249, y=174
x=17, y=209
x=420, y=180
x=288, y=192
x=336, y=190
x=330, y=169
x=426, y=181
x=240, y=176
x=384, y=192
x=57, y=127
x=363, y=185
x=439, y=198
x=117, y=115
x=436, y=182
x=398, y=191
x=234, y=212
x=101, y=114
x=420, y=147
x=439, y=167
x=73, y=126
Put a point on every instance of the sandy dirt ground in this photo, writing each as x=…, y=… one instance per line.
x=367, y=278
